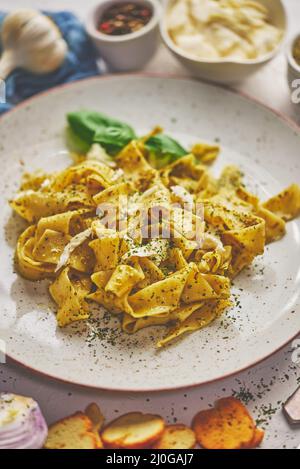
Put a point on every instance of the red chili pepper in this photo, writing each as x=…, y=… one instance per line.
x=105, y=26
x=145, y=13
x=124, y=18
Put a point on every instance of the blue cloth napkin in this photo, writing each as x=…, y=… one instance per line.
x=79, y=63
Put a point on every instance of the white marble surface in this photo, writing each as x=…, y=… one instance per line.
x=267, y=384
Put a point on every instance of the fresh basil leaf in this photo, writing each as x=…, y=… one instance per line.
x=95, y=127
x=163, y=150
x=158, y=163
x=75, y=143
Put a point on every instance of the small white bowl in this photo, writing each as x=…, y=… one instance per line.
x=226, y=70
x=293, y=66
x=126, y=52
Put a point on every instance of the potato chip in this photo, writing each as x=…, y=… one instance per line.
x=73, y=432
x=227, y=426
x=95, y=415
x=133, y=430
x=176, y=437
x=257, y=438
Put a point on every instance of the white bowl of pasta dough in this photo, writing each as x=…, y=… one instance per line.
x=226, y=70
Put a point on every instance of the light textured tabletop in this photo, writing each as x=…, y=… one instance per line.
x=264, y=387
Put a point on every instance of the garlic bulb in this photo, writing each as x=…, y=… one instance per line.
x=32, y=41
x=22, y=425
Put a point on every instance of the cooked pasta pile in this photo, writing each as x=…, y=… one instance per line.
x=181, y=280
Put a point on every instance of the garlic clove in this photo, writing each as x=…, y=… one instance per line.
x=48, y=59
x=12, y=25
x=32, y=41
x=22, y=425
x=7, y=64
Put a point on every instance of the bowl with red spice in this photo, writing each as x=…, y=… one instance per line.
x=126, y=33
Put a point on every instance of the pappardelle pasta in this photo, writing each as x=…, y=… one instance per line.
x=155, y=244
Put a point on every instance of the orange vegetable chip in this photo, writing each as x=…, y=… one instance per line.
x=227, y=426
x=257, y=438
x=176, y=437
x=133, y=430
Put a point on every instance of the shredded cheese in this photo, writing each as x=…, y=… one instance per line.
x=71, y=246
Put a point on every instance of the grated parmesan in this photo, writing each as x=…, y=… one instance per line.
x=156, y=249
x=71, y=246
x=183, y=195
x=210, y=241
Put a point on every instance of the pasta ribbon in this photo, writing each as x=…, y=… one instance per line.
x=157, y=247
x=69, y=294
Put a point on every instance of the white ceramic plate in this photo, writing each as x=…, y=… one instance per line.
x=266, y=314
